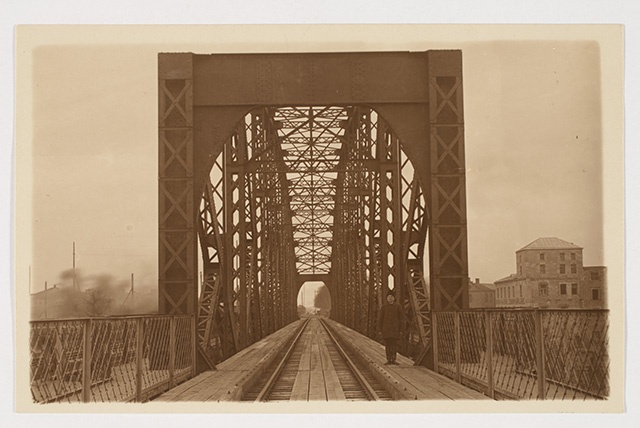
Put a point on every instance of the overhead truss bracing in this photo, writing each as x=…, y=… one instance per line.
x=305, y=191
x=277, y=191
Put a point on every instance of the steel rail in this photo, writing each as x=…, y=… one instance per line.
x=352, y=366
x=276, y=373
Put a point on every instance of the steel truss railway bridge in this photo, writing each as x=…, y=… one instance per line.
x=279, y=169
x=310, y=167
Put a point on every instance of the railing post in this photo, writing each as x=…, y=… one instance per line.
x=172, y=351
x=540, y=355
x=456, y=326
x=86, y=362
x=194, y=345
x=434, y=340
x=139, y=350
x=489, y=357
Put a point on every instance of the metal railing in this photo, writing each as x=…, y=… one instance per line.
x=525, y=354
x=114, y=359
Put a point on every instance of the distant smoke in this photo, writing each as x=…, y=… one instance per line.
x=100, y=295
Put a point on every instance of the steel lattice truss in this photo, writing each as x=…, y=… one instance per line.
x=311, y=141
x=308, y=191
x=325, y=191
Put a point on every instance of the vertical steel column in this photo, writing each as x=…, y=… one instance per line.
x=236, y=237
x=172, y=352
x=339, y=294
x=139, y=356
x=399, y=265
x=212, y=253
x=541, y=374
x=382, y=224
x=417, y=293
x=457, y=346
x=434, y=341
x=261, y=185
x=177, y=264
x=244, y=239
x=230, y=327
x=390, y=211
x=449, y=271
x=250, y=322
x=488, y=319
x=87, y=357
x=363, y=194
x=372, y=257
x=283, y=228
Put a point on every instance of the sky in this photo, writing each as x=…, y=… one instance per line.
x=533, y=153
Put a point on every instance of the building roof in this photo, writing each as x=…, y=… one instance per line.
x=506, y=279
x=474, y=286
x=550, y=244
x=53, y=289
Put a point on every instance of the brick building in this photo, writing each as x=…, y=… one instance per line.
x=481, y=295
x=550, y=274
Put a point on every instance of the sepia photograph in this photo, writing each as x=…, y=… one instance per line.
x=329, y=218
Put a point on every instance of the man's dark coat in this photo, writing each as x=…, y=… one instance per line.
x=391, y=321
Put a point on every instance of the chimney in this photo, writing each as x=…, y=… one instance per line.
x=477, y=280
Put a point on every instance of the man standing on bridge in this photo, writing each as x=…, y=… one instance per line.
x=391, y=326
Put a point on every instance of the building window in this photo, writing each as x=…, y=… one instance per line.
x=520, y=290
x=574, y=269
x=562, y=269
x=541, y=256
x=543, y=289
x=573, y=256
x=595, y=276
x=574, y=289
x=563, y=289
x=561, y=256
x=595, y=294
x=543, y=269
x=520, y=270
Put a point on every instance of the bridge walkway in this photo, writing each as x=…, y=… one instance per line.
x=235, y=376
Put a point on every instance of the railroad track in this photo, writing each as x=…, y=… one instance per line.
x=288, y=377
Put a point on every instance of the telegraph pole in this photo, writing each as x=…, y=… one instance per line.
x=74, y=265
x=132, y=298
x=45, y=299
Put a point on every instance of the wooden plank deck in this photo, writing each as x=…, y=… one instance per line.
x=300, y=390
x=332, y=382
x=233, y=375
x=408, y=382
x=317, y=379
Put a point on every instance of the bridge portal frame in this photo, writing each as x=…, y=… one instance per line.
x=202, y=98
